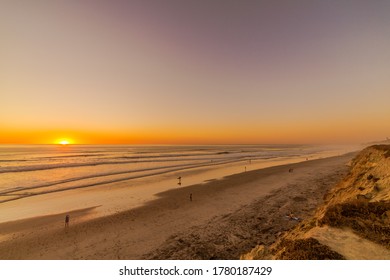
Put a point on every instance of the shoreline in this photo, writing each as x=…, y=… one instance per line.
x=118, y=196
x=142, y=231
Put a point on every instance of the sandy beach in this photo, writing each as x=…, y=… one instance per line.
x=225, y=218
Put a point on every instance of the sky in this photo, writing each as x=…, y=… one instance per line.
x=194, y=72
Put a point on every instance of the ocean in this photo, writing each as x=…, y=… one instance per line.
x=30, y=170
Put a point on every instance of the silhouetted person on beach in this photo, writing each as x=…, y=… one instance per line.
x=67, y=218
x=190, y=196
x=291, y=170
x=179, y=178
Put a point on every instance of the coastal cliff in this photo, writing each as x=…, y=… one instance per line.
x=352, y=223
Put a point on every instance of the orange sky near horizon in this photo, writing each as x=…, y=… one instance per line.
x=324, y=134
x=226, y=72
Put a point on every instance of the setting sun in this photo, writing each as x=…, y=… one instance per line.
x=64, y=142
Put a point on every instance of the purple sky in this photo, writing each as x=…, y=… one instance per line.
x=206, y=71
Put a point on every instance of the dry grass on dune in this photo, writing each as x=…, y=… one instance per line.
x=385, y=148
x=370, y=220
x=363, y=203
x=307, y=249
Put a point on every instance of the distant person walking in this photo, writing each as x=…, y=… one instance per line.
x=179, y=178
x=67, y=218
x=190, y=196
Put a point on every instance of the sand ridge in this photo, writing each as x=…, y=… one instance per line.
x=352, y=223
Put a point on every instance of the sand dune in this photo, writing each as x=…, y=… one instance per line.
x=352, y=223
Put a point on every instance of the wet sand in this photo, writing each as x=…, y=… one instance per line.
x=224, y=219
